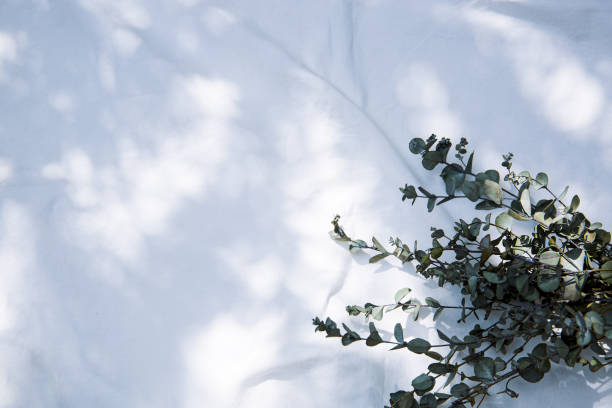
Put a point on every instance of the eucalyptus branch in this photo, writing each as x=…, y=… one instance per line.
x=554, y=284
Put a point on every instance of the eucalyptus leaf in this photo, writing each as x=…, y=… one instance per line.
x=440, y=368
x=374, y=338
x=574, y=204
x=485, y=368
x=548, y=283
x=416, y=145
x=377, y=313
x=443, y=336
x=468, y=167
x=542, y=179
x=493, y=191
x=423, y=382
x=403, y=399
x=594, y=322
x=471, y=190
x=503, y=222
x=526, y=202
x=493, y=277
x=528, y=371
x=428, y=401
x=378, y=257
x=432, y=302
x=563, y=193
x=400, y=294
x=550, y=258
x=606, y=272
x=398, y=332
x=418, y=346
x=431, y=203
x=460, y=390
x=378, y=245
x=492, y=175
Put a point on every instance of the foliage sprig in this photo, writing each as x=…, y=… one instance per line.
x=539, y=299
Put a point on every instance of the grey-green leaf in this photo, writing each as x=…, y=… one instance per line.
x=492, y=175
x=418, y=346
x=595, y=322
x=460, y=390
x=431, y=203
x=606, y=273
x=416, y=145
x=377, y=313
x=548, y=283
x=398, y=332
x=471, y=190
x=493, y=278
x=528, y=371
x=542, y=179
x=432, y=302
x=485, y=368
x=526, y=201
x=400, y=294
x=423, y=382
x=378, y=245
x=574, y=204
x=493, y=191
x=428, y=401
x=503, y=222
x=440, y=368
x=374, y=338
x=378, y=257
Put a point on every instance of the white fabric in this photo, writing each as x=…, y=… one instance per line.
x=169, y=171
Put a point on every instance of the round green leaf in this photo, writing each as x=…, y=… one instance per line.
x=540, y=351
x=485, y=368
x=542, y=179
x=493, y=191
x=418, y=346
x=503, y=222
x=595, y=322
x=431, y=159
x=528, y=371
x=526, y=201
x=460, y=390
x=550, y=258
x=493, y=278
x=416, y=145
x=583, y=338
x=400, y=294
x=574, y=204
x=606, y=274
x=548, y=283
x=428, y=401
x=403, y=399
x=377, y=313
x=423, y=383
x=471, y=190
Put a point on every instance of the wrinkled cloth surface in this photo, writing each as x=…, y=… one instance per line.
x=169, y=171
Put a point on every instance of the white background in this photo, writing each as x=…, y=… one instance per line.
x=169, y=170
